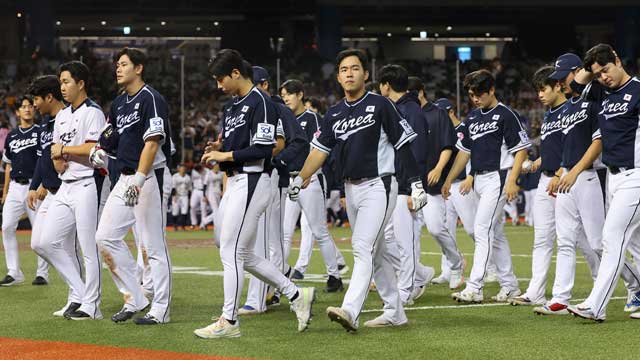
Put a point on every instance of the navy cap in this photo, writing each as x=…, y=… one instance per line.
x=260, y=75
x=444, y=104
x=564, y=65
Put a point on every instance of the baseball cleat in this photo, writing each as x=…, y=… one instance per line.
x=468, y=296
x=633, y=302
x=248, y=310
x=297, y=275
x=635, y=315
x=68, y=310
x=39, y=281
x=10, y=281
x=456, y=279
x=343, y=269
x=524, y=300
x=381, y=321
x=585, y=312
x=551, y=309
x=219, y=330
x=506, y=294
x=430, y=274
x=417, y=293
x=303, y=305
x=148, y=319
x=334, y=284
x=79, y=315
x=123, y=315
x=341, y=317
x=442, y=279
x=273, y=300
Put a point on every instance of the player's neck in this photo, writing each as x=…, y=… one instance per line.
x=561, y=99
x=395, y=96
x=78, y=101
x=25, y=124
x=244, y=88
x=299, y=110
x=492, y=104
x=354, y=95
x=56, y=107
x=134, y=86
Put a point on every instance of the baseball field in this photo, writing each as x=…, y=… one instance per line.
x=439, y=328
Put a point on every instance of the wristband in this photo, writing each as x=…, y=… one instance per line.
x=138, y=179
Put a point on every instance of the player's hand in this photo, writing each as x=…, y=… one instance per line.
x=98, y=157
x=42, y=193
x=306, y=183
x=60, y=165
x=410, y=203
x=418, y=195
x=294, y=188
x=133, y=190
x=466, y=185
x=56, y=151
x=567, y=181
x=446, y=189
x=511, y=190
x=214, y=146
x=216, y=156
x=552, y=187
x=434, y=176
x=535, y=166
x=32, y=197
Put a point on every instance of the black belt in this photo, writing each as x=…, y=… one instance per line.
x=549, y=173
x=232, y=172
x=127, y=171
x=617, y=170
x=482, y=172
x=22, y=181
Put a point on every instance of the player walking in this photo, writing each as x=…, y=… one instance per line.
x=182, y=186
x=20, y=156
x=371, y=133
x=197, y=203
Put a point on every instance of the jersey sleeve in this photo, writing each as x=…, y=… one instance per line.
x=95, y=122
x=154, y=113
x=447, y=132
x=515, y=136
x=264, y=121
x=280, y=133
x=324, y=139
x=395, y=125
x=464, y=142
x=593, y=122
x=6, y=154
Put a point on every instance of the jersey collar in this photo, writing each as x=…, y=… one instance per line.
x=355, y=103
x=490, y=110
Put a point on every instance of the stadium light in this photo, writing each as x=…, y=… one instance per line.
x=423, y=34
x=388, y=34
x=361, y=28
x=58, y=23
x=82, y=28
x=487, y=34
x=436, y=34
x=408, y=28
x=449, y=28
x=103, y=23
x=19, y=15
x=163, y=23
x=148, y=28
x=126, y=30
x=198, y=28
x=216, y=23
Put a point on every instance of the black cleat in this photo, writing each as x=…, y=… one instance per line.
x=122, y=315
x=297, y=275
x=9, y=281
x=39, y=280
x=77, y=315
x=274, y=300
x=334, y=284
x=72, y=308
x=146, y=320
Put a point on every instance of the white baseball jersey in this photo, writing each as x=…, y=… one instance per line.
x=77, y=127
x=197, y=180
x=213, y=181
x=182, y=184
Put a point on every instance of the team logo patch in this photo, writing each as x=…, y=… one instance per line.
x=495, y=117
x=245, y=109
x=407, y=128
x=370, y=108
x=523, y=136
x=156, y=124
x=627, y=97
x=265, y=132
x=317, y=134
x=584, y=105
x=136, y=106
x=303, y=123
x=461, y=135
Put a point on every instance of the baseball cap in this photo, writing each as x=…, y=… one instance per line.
x=260, y=75
x=444, y=104
x=564, y=65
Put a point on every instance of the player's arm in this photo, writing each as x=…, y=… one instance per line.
x=458, y=166
x=80, y=151
x=566, y=182
x=151, y=146
x=511, y=188
x=279, y=146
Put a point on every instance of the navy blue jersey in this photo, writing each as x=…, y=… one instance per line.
x=486, y=133
x=579, y=129
x=136, y=119
x=551, y=138
x=442, y=136
x=368, y=130
x=618, y=114
x=460, y=131
x=296, y=144
x=409, y=106
x=48, y=175
x=249, y=122
x=21, y=151
x=310, y=122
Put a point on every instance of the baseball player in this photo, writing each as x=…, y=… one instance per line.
x=371, y=134
x=197, y=203
x=494, y=180
x=182, y=186
x=312, y=199
x=245, y=145
x=412, y=275
x=20, y=156
x=213, y=192
x=74, y=208
x=137, y=136
x=47, y=99
x=617, y=97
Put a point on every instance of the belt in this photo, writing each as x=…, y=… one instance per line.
x=482, y=172
x=127, y=171
x=617, y=170
x=74, y=180
x=22, y=181
x=358, y=181
x=549, y=173
x=231, y=173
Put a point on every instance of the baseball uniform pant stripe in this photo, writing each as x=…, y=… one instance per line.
x=160, y=178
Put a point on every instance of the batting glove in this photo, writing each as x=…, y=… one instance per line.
x=418, y=195
x=98, y=157
x=133, y=191
x=294, y=188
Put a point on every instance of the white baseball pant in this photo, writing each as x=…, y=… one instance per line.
x=180, y=205
x=306, y=247
x=197, y=205
x=529, y=198
x=465, y=207
x=117, y=219
x=213, y=197
x=14, y=206
x=435, y=217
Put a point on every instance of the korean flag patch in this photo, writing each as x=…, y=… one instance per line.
x=370, y=108
x=584, y=105
x=136, y=106
x=495, y=117
x=627, y=97
x=265, y=133
x=156, y=124
x=245, y=109
x=407, y=128
x=524, y=138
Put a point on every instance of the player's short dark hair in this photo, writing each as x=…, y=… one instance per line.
x=226, y=61
x=315, y=102
x=479, y=82
x=137, y=56
x=249, y=70
x=602, y=54
x=372, y=86
x=396, y=76
x=541, y=78
x=44, y=85
x=415, y=84
x=78, y=70
x=293, y=86
x=22, y=99
x=364, y=60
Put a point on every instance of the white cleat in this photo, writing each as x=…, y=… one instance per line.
x=551, y=309
x=635, y=315
x=343, y=269
x=524, y=300
x=342, y=317
x=585, y=312
x=431, y=272
x=381, y=321
x=302, y=306
x=417, y=293
x=456, y=279
x=633, y=302
x=60, y=313
x=468, y=296
x=219, y=330
x=506, y=295
x=440, y=280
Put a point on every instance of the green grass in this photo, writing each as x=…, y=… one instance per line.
x=483, y=332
